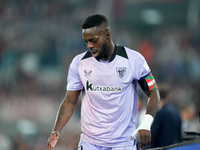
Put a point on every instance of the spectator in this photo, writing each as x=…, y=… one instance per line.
x=166, y=128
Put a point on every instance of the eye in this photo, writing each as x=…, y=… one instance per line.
x=94, y=40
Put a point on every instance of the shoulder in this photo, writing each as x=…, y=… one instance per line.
x=133, y=53
x=80, y=57
x=128, y=53
x=134, y=56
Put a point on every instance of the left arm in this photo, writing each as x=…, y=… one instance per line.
x=143, y=131
x=153, y=102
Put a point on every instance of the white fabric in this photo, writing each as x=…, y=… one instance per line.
x=145, y=124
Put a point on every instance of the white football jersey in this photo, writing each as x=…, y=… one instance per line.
x=109, y=95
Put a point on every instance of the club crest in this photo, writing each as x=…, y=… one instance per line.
x=121, y=71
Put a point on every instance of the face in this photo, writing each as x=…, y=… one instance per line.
x=97, y=42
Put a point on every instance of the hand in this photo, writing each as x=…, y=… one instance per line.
x=143, y=132
x=144, y=138
x=53, y=139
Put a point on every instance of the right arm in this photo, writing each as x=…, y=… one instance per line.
x=65, y=112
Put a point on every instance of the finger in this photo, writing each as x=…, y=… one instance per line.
x=144, y=140
x=49, y=147
x=147, y=141
x=55, y=138
x=50, y=142
x=52, y=136
x=141, y=140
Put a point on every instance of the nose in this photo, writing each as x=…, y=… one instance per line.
x=90, y=45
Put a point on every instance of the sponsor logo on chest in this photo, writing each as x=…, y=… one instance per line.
x=98, y=88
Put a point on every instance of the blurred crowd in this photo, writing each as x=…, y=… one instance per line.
x=38, y=40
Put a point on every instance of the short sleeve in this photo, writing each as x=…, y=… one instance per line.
x=141, y=67
x=73, y=79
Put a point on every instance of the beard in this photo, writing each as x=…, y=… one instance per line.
x=104, y=51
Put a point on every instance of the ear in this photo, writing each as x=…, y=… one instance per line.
x=108, y=35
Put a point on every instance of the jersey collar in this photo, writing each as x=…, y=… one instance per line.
x=113, y=55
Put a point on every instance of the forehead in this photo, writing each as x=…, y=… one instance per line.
x=90, y=32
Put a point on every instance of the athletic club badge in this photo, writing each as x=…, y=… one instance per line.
x=121, y=71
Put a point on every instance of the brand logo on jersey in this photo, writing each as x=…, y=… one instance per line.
x=121, y=71
x=98, y=88
x=87, y=73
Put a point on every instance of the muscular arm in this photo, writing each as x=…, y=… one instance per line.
x=144, y=133
x=148, y=85
x=150, y=88
x=153, y=102
x=65, y=112
x=66, y=109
